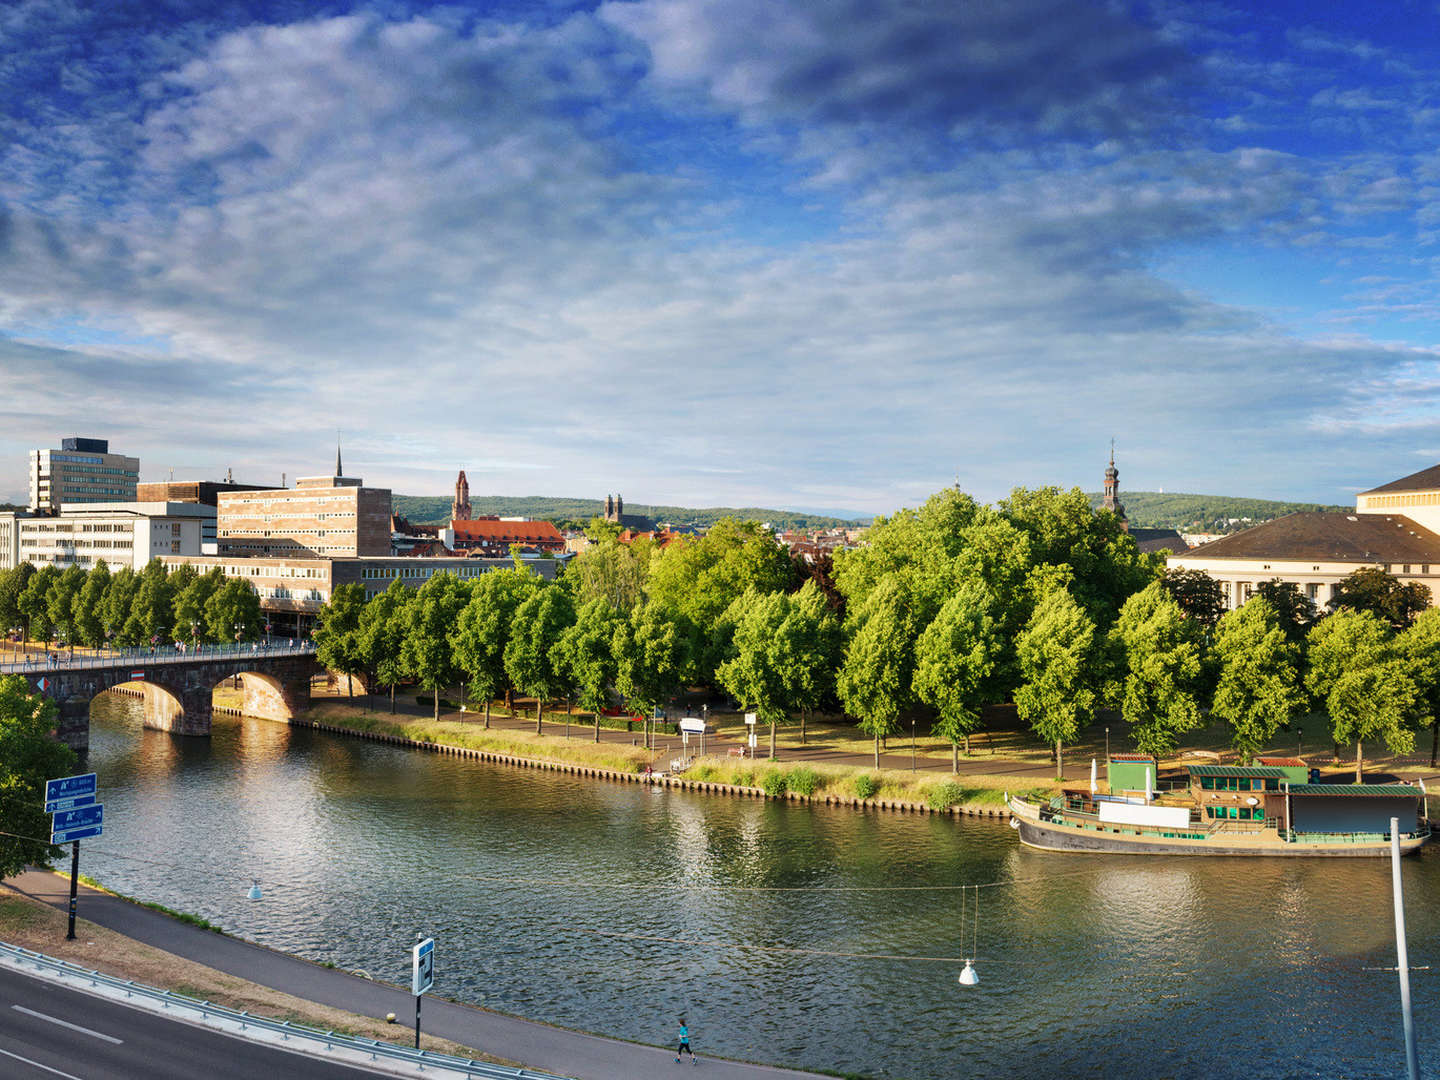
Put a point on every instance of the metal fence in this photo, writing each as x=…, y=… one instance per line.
x=374, y=1049
x=33, y=664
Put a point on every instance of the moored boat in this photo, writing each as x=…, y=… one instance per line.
x=1272, y=807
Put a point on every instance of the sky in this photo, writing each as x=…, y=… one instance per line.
x=830, y=255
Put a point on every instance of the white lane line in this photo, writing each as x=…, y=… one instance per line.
x=47, y=1068
x=67, y=1024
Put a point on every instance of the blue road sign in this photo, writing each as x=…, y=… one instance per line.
x=422, y=974
x=82, y=817
x=67, y=787
x=65, y=837
x=69, y=804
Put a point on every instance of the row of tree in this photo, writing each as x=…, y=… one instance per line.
x=97, y=607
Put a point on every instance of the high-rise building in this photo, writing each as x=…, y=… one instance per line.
x=326, y=516
x=81, y=471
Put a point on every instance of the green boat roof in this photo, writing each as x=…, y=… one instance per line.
x=1394, y=791
x=1237, y=770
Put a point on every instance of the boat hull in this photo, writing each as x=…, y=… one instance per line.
x=1049, y=836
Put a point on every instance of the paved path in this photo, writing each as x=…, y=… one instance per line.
x=569, y=1053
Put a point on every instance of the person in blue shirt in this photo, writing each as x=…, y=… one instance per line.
x=685, y=1044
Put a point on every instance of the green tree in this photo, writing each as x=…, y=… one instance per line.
x=809, y=644
x=954, y=660
x=530, y=658
x=601, y=530
x=608, y=571
x=190, y=601
x=649, y=650
x=1294, y=609
x=1373, y=589
x=29, y=755
x=585, y=656
x=875, y=683
x=60, y=604
x=1259, y=689
x=34, y=604
x=1197, y=593
x=152, y=612
x=1058, y=665
x=1364, y=681
x=482, y=630
x=1419, y=644
x=337, y=633
x=1163, y=658
x=12, y=586
x=380, y=635
x=755, y=673
x=119, y=596
x=429, y=621
x=89, y=607
x=232, y=613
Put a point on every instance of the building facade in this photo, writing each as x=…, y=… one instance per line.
x=117, y=534
x=81, y=471
x=320, y=517
x=493, y=537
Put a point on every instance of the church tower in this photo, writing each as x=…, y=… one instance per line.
x=460, y=508
x=1111, y=500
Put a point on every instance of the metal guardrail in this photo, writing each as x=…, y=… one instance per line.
x=422, y=1059
x=141, y=656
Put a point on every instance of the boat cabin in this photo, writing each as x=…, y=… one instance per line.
x=1354, y=808
x=1240, y=792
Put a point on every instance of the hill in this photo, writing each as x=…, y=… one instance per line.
x=435, y=510
x=1204, y=513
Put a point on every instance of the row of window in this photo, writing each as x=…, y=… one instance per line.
x=390, y=572
x=1235, y=813
x=1240, y=783
x=1428, y=498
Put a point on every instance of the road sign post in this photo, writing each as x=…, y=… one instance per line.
x=77, y=816
x=422, y=977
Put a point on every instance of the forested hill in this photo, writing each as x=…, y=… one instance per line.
x=1203, y=513
x=435, y=510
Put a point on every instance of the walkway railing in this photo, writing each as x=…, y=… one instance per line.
x=137, y=656
x=168, y=1000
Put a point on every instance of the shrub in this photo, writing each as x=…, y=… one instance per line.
x=775, y=784
x=866, y=786
x=804, y=781
x=744, y=778
x=943, y=796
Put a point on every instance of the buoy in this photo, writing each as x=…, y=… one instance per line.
x=254, y=893
x=968, y=976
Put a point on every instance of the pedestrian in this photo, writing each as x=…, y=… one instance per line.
x=684, y=1047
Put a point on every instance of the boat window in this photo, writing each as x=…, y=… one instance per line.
x=1271, y=784
x=1208, y=783
x=1244, y=813
x=1257, y=784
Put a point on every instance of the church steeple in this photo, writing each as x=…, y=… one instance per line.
x=1111, y=501
x=339, y=469
x=460, y=508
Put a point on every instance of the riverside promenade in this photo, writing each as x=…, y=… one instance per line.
x=556, y=1050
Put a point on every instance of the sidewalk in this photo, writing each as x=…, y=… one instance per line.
x=557, y=1050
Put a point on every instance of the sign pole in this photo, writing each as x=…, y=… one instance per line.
x=74, y=885
x=1402, y=955
x=417, y=1020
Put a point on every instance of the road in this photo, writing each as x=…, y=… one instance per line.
x=557, y=1050
x=49, y=1032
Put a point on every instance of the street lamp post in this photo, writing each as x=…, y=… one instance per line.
x=1107, y=745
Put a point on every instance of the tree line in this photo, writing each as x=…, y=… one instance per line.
x=96, y=608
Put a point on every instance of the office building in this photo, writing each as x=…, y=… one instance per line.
x=320, y=517
x=118, y=534
x=81, y=471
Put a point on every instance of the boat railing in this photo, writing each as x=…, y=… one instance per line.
x=1420, y=832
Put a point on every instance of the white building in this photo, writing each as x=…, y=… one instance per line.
x=1395, y=527
x=81, y=471
x=118, y=534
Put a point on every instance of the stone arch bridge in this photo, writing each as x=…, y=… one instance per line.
x=177, y=687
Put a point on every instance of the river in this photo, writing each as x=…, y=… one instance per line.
x=1089, y=965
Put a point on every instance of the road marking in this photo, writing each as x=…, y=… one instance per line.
x=47, y=1068
x=67, y=1024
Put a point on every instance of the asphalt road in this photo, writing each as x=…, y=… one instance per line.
x=49, y=1032
x=553, y=1049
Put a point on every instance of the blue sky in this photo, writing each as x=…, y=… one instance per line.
x=739, y=252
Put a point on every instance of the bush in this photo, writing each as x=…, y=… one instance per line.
x=775, y=784
x=744, y=778
x=804, y=781
x=866, y=786
x=943, y=796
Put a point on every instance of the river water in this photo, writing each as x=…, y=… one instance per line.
x=1090, y=965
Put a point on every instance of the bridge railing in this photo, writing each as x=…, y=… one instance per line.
x=427, y=1062
x=144, y=655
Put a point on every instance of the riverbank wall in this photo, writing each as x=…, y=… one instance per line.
x=594, y=772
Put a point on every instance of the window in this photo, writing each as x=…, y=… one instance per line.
x=1312, y=591
x=1405, y=568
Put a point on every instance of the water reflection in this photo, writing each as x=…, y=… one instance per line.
x=1090, y=965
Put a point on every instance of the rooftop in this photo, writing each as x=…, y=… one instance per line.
x=1393, y=791
x=1328, y=537
x=1237, y=770
x=1424, y=480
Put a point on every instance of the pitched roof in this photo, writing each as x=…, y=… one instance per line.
x=1236, y=770
x=1332, y=537
x=1148, y=540
x=1424, y=480
x=511, y=532
x=1394, y=791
